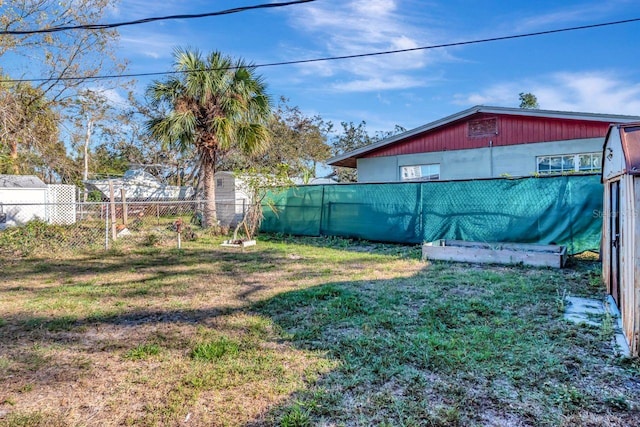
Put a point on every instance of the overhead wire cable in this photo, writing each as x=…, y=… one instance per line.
x=342, y=57
x=152, y=19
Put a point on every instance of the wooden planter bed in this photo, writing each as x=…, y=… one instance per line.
x=496, y=253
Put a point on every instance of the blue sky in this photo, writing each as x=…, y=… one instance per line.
x=595, y=70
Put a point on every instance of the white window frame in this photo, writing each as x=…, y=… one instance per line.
x=409, y=173
x=562, y=159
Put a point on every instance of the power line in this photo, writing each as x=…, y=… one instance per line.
x=153, y=19
x=336, y=58
x=463, y=43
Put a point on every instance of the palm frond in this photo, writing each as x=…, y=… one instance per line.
x=253, y=138
x=223, y=128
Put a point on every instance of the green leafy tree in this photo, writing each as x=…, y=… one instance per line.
x=215, y=104
x=109, y=162
x=528, y=100
x=29, y=135
x=352, y=138
x=66, y=58
x=299, y=142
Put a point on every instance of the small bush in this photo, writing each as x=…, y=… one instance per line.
x=37, y=236
x=23, y=240
x=151, y=239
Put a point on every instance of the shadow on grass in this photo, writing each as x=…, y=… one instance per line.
x=231, y=262
x=449, y=345
x=454, y=347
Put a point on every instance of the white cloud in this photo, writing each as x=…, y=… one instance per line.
x=593, y=92
x=396, y=81
x=382, y=100
x=151, y=45
x=363, y=26
x=585, y=12
x=112, y=95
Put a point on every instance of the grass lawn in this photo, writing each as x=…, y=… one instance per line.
x=301, y=332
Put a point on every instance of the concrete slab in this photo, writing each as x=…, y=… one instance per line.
x=584, y=310
x=592, y=312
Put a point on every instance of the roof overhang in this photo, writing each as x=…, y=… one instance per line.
x=630, y=139
x=349, y=159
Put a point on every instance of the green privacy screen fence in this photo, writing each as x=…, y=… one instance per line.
x=563, y=210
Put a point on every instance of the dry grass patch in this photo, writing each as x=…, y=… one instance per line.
x=298, y=332
x=149, y=336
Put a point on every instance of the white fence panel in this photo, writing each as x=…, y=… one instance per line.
x=61, y=204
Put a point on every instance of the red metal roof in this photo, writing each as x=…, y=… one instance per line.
x=484, y=126
x=510, y=130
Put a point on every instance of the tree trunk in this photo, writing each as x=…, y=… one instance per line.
x=87, y=141
x=13, y=156
x=210, y=218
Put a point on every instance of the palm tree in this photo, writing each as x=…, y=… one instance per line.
x=214, y=104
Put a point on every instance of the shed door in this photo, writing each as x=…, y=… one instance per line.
x=614, y=232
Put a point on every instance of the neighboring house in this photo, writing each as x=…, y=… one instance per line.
x=486, y=142
x=139, y=185
x=25, y=197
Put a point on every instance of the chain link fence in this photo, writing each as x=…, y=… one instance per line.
x=560, y=210
x=27, y=228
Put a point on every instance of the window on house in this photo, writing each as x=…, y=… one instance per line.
x=219, y=182
x=569, y=163
x=420, y=172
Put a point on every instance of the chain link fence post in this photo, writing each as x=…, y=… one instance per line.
x=105, y=208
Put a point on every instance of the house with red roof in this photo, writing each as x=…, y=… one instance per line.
x=487, y=142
